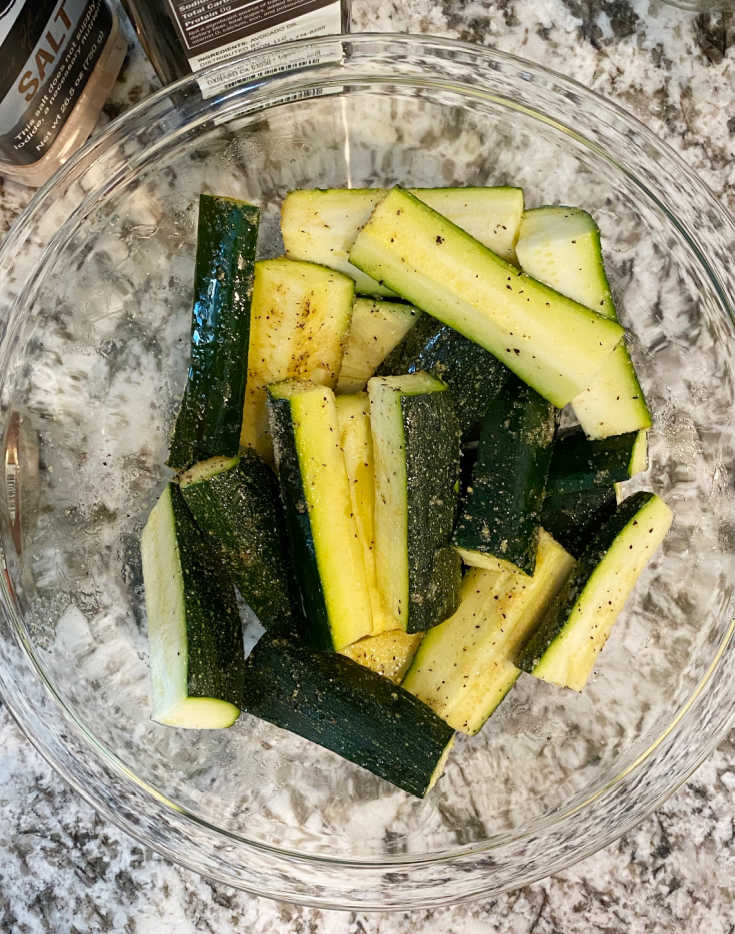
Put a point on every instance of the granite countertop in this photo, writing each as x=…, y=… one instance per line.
x=67, y=870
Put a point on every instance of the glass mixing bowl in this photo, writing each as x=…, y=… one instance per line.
x=97, y=280
x=704, y=6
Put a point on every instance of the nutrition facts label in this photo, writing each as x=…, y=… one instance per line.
x=208, y=22
x=214, y=30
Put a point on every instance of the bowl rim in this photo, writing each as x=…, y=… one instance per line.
x=100, y=138
x=84, y=158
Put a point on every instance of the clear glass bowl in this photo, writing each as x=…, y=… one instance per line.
x=97, y=279
x=703, y=6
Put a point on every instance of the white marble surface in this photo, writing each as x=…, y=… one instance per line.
x=67, y=870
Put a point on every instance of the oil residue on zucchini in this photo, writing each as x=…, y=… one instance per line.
x=378, y=647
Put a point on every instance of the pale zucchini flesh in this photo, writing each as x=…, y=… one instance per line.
x=391, y=527
x=388, y=654
x=487, y=562
x=614, y=403
x=204, y=470
x=353, y=422
x=491, y=215
x=194, y=630
x=580, y=626
x=416, y=457
x=464, y=666
x=639, y=455
x=323, y=521
x=377, y=328
x=321, y=225
x=551, y=342
x=560, y=246
x=299, y=322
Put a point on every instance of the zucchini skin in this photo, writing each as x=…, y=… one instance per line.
x=432, y=449
x=579, y=465
x=580, y=492
x=298, y=526
x=445, y=586
x=474, y=376
x=213, y=627
x=239, y=510
x=557, y=616
x=501, y=513
x=572, y=519
x=210, y=416
x=333, y=701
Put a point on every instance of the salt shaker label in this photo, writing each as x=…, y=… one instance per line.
x=48, y=51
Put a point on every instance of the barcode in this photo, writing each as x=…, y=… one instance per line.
x=239, y=79
x=11, y=490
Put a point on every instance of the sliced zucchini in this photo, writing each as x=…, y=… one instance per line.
x=210, y=416
x=416, y=451
x=579, y=465
x=574, y=518
x=375, y=330
x=583, y=480
x=353, y=421
x=614, y=401
x=551, y=342
x=560, y=246
x=473, y=375
x=564, y=647
x=333, y=701
x=235, y=502
x=441, y=598
x=639, y=454
x=638, y=462
x=194, y=629
x=321, y=225
x=388, y=654
x=464, y=667
x=499, y=518
x=490, y=215
x=300, y=321
x=326, y=553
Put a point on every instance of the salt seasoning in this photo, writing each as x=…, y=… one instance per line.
x=58, y=61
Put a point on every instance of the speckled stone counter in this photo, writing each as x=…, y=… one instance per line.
x=67, y=870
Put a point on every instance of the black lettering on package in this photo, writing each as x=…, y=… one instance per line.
x=34, y=110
